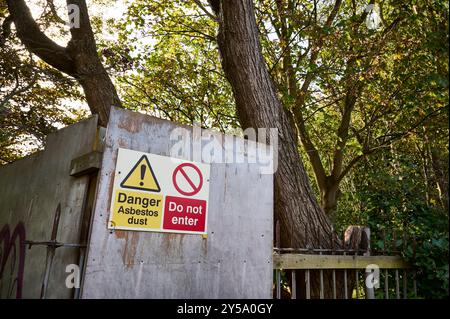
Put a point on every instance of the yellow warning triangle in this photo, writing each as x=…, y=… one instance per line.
x=141, y=177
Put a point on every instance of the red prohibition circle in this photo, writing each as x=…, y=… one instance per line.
x=195, y=189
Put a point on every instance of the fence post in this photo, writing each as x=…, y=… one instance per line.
x=370, y=291
x=277, y=271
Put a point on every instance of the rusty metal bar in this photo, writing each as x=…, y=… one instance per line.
x=278, y=271
x=414, y=273
x=415, y=285
x=321, y=293
x=357, y=281
x=397, y=285
x=54, y=244
x=357, y=284
x=334, y=270
x=334, y=283
x=278, y=279
x=321, y=285
x=307, y=284
x=405, y=274
x=405, y=284
x=345, y=284
x=85, y=222
x=294, y=284
x=81, y=265
x=50, y=252
x=386, y=284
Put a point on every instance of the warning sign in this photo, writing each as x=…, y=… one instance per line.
x=141, y=177
x=184, y=213
x=159, y=193
x=189, y=173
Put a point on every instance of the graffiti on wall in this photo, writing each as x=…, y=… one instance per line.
x=12, y=259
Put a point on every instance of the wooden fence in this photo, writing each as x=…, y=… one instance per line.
x=392, y=270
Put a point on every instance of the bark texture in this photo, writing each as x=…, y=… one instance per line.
x=302, y=220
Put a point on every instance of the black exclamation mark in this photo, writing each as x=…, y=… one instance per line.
x=143, y=168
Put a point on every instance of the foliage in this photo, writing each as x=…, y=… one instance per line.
x=172, y=67
x=35, y=100
x=392, y=200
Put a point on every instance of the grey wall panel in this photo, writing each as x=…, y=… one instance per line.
x=233, y=261
x=30, y=191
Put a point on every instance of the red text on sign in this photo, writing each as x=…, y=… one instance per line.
x=184, y=214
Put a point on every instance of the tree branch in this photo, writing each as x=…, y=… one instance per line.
x=309, y=146
x=6, y=29
x=395, y=136
x=313, y=154
x=202, y=7
x=16, y=90
x=85, y=29
x=55, y=15
x=345, y=123
x=342, y=132
x=388, y=142
x=36, y=41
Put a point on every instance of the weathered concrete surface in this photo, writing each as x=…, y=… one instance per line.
x=30, y=191
x=234, y=261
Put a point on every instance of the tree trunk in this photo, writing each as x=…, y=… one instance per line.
x=329, y=196
x=302, y=220
x=89, y=71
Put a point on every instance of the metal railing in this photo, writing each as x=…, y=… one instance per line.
x=345, y=264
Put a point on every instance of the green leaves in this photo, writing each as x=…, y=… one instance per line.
x=176, y=74
x=34, y=101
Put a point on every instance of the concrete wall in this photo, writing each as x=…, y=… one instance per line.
x=233, y=261
x=30, y=191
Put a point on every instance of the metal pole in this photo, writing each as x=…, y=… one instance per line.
x=294, y=285
x=308, y=288
x=50, y=252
